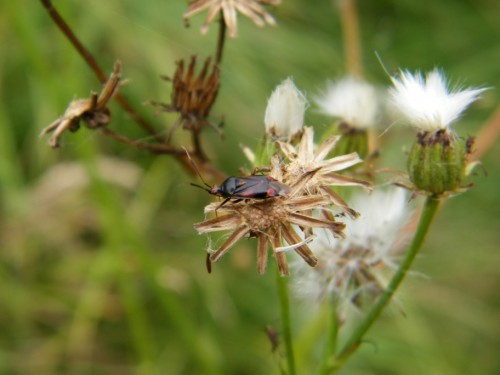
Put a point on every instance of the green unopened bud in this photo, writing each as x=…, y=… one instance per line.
x=264, y=152
x=437, y=162
x=352, y=140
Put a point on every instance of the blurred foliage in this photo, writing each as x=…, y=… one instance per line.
x=101, y=271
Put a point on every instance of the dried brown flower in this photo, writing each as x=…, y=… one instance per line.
x=309, y=175
x=253, y=9
x=93, y=110
x=305, y=157
x=193, y=96
x=270, y=220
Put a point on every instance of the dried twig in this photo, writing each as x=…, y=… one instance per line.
x=92, y=63
x=86, y=108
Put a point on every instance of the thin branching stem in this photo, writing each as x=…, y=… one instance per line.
x=162, y=147
x=92, y=63
x=198, y=149
x=195, y=132
x=154, y=148
x=282, y=285
x=165, y=149
x=353, y=341
x=220, y=40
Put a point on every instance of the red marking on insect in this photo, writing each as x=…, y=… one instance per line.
x=244, y=188
x=249, y=187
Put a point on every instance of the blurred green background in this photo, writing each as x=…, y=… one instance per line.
x=101, y=271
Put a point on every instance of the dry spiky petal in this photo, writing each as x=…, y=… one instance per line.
x=273, y=219
x=193, y=95
x=262, y=247
x=279, y=256
x=303, y=250
x=235, y=237
x=226, y=222
x=304, y=159
x=229, y=9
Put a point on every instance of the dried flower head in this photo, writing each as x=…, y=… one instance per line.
x=93, y=110
x=253, y=9
x=270, y=220
x=193, y=95
x=428, y=103
x=309, y=177
x=305, y=157
x=352, y=269
x=284, y=118
x=352, y=101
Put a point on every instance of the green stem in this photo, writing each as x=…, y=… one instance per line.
x=331, y=338
x=264, y=152
x=282, y=285
x=430, y=208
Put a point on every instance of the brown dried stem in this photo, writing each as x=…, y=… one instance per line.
x=162, y=147
x=154, y=148
x=350, y=31
x=220, y=41
x=92, y=63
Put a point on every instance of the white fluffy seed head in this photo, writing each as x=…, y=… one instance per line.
x=351, y=100
x=285, y=111
x=427, y=102
x=370, y=247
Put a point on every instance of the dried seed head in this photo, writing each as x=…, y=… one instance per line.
x=263, y=216
x=353, y=269
x=193, y=95
x=253, y=9
x=272, y=221
x=93, y=110
x=352, y=101
x=291, y=216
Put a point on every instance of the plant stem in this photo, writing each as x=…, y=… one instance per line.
x=430, y=208
x=282, y=286
x=350, y=31
x=92, y=63
x=162, y=147
x=154, y=148
x=220, y=41
x=331, y=338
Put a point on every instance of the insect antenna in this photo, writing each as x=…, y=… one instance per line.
x=195, y=167
x=201, y=187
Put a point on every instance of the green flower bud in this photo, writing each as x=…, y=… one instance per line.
x=437, y=162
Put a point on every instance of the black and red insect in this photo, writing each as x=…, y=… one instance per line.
x=244, y=188
x=247, y=188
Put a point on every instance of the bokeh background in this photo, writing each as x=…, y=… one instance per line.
x=101, y=271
